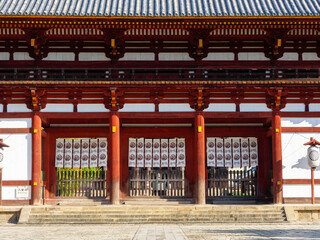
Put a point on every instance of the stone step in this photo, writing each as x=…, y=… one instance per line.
x=178, y=207
x=111, y=214
x=89, y=218
x=153, y=220
x=95, y=210
x=152, y=214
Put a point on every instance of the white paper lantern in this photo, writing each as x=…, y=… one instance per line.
x=313, y=157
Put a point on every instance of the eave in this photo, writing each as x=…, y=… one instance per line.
x=158, y=22
x=291, y=83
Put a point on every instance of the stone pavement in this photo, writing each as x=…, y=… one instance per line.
x=159, y=232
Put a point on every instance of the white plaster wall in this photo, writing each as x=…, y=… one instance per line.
x=92, y=108
x=15, y=123
x=138, y=108
x=21, y=56
x=17, y=157
x=9, y=193
x=252, y=56
x=180, y=107
x=221, y=107
x=289, y=57
x=310, y=57
x=175, y=57
x=138, y=57
x=58, y=108
x=294, y=107
x=254, y=107
x=60, y=56
x=314, y=107
x=94, y=56
x=300, y=190
x=219, y=57
x=300, y=122
x=4, y=56
x=294, y=156
x=18, y=108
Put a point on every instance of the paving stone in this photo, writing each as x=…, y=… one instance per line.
x=160, y=232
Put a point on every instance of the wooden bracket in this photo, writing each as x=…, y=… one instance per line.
x=199, y=99
x=114, y=99
x=198, y=43
x=275, y=42
x=114, y=39
x=276, y=98
x=36, y=99
x=37, y=39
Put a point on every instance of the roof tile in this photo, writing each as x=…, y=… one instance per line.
x=160, y=8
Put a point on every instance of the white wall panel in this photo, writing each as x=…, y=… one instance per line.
x=15, y=123
x=289, y=57
x=294, y=107
x=9, y=193
x=4, y=56
x=252, y=56
x=221, y=107
x=58, y=108
x=17, y=157
x=138, y=108
x=254, y=107
x=300, y=122
x=294, y=156
x=92, y=108
x=219, y=57
x=175, y=57
x=21, y=56
x=60, y=56
x=18, y=108
x=94, y=56
x=296, y=190
x=314, y=107
x=180, y=107
x=310, y=57
x=138, y=57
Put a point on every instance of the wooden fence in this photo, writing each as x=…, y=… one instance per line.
x=90, y=183
x=157, y=182
x=225, y=183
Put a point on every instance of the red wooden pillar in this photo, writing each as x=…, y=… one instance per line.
x=277, y=157
x=36, y=160
x=115, y=157
x=200, y=158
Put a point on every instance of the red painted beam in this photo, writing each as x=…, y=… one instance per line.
x=301, y=129
x=300, y=181
x=15, y=130
x=16, y=183
x=237, y=114
x=74, y=115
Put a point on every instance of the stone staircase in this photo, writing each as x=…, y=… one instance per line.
x=136, y=214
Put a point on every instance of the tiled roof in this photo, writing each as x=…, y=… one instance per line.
x=160, y=8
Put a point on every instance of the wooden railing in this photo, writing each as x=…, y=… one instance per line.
x=224, y=183
x=163, y=74
x=157, y=182
x=90, y=183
